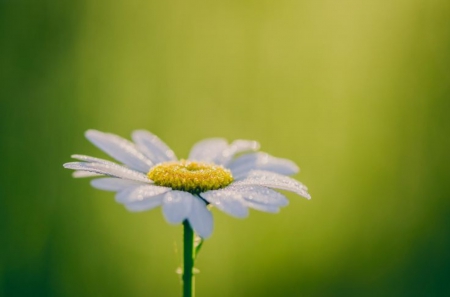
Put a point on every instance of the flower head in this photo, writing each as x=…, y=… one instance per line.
x=232, y=177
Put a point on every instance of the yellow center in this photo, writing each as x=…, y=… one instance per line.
x=193, y=177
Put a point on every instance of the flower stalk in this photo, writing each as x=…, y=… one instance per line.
x=188, y=260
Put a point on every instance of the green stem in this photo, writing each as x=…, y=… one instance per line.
x=188, y=260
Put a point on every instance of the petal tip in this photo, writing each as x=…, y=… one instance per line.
x=306, y=195
x=69, y=165
x=255, y=145
x=92, y=134
x=205, y=234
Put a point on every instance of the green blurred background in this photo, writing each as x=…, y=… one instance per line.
x=356, y=92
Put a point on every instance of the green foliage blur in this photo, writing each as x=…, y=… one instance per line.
x=357, y=93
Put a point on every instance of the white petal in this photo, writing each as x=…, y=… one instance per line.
x=262, y=207
x=146, y=204
x=259, y=194
x=110, y=169
x=82, y=174
x=177, y=205
x=228, y=201
x=153, y=147
x=261, y=161
x=113, y=184
x=200, y=218
x=274, y=180
x=140, y=193
x=90, y=159
x=120, y=149
x=239, y=146
x=209, y=150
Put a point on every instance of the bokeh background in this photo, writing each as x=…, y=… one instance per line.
x=356, y=92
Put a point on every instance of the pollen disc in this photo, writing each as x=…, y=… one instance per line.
x=193, y=177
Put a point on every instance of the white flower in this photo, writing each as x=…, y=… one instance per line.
x=231, y=177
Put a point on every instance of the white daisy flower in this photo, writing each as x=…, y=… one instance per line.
x=232, y=177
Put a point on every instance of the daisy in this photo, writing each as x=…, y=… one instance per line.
x=232, y=177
